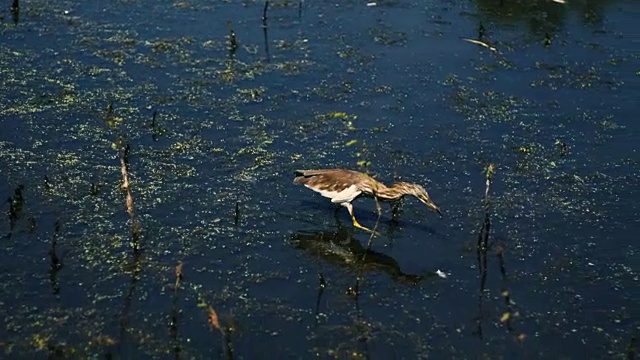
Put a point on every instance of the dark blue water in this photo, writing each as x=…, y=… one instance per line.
x=391, y=89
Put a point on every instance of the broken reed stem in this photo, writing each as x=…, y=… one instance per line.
x=481, y=43
x=233, y=42
x=489, y=173
x=375, y=226
x=178, y=276
x=483, y=236
x=264, y=13
x=355, y=290
x=124, y=169
x=236, y=217
x=214, y=321
x=482, y=246
x=322, y=284
x=175, y=313
x=124, y=166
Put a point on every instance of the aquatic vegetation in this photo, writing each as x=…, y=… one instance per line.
x=149, y=211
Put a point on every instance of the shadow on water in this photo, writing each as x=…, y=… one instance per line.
x=341, y=248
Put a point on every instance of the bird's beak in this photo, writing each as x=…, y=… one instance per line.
x=427, y=201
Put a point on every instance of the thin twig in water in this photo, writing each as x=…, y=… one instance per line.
x=264, y=13
x=481, y=248
x=214, y=321
x=175, y=314
x=236, y=217
x=135, y=225
x=481, y=43
x=264, y=30
x=489, y=174
x=233, y=42
x=356, y=288
x=322, y=284
x=178, y=275
x=364, y=338
x=15, y=11
x=375, y=226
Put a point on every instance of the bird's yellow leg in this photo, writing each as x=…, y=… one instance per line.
x=355, y=222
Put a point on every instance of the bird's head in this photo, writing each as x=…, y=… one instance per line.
x=422, y=195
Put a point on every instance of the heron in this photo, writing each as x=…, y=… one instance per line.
x=343, y=186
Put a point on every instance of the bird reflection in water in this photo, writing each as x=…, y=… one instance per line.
x=341, y=248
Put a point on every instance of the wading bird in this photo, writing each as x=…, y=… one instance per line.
x=343, y=186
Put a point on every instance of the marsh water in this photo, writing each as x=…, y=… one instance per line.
x=215, y=253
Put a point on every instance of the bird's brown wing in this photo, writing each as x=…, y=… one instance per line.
x=328, y=179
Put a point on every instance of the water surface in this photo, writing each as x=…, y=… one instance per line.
x=392, y=89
